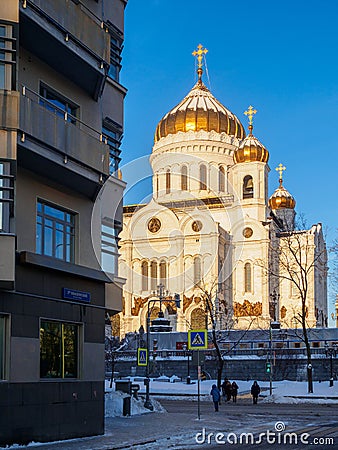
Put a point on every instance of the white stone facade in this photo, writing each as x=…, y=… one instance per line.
x=204, y=224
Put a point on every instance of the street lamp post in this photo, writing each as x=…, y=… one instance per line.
x=188, y=360
x=331, y=351
x=161, y=325
x=274, y=325
x=147, y=403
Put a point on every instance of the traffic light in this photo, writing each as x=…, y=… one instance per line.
x=177, y=300
x=268, y=367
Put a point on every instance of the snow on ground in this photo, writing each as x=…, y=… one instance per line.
x=283, y=392
x=114, y=404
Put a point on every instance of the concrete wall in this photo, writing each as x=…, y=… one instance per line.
x=250, y=369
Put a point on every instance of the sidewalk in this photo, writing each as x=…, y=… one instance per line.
x=130, y=432
x=163, y=430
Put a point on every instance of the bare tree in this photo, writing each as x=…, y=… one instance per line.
x=216, y=306
x=295, y=255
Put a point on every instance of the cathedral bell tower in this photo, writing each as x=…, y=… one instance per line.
x=250, y=174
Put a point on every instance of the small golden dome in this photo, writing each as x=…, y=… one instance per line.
x=281, y=198
x=251, y=149
x=199, y=110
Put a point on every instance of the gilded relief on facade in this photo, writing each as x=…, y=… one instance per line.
x=138, y=304
x=283, y=311
x=247, y=309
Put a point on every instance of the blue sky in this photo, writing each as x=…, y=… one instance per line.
x=280, y=57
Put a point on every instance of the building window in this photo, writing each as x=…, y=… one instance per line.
x=109, y=247
x=55, y=232
x=248, y=189
x=184, y=178
x=197, y=270
x=58, y=350
x=6, y=196
x=112, y=134
x=3, y=335
x=7, y=58
x=144, y=271
x=153, y=275
x=221, y=179
x=167, y=181
x=115, y=54
x=163, y=273
x=58, y=104
x=247, y=277
x=203, y=177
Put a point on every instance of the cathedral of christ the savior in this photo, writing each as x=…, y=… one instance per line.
x=211, y=229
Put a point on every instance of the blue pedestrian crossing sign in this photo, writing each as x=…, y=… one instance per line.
x=142, y=356
x=197, y=339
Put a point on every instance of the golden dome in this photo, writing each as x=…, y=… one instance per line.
x=281, y=198
x=199, y=110
x=251, y=149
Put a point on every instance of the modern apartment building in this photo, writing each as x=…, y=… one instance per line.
x=61, y=122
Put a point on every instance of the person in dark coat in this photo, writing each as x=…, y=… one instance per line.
x=228, y=390
x=234, y=391
x=223, y=387
x=255, y=391
x=216, y=396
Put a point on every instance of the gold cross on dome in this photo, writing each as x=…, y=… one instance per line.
x=199, y=54
x=250, y=113
x=280, y=169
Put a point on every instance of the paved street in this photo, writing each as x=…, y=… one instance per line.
x=177, y=428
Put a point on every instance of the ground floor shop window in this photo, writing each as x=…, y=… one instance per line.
x=59, y=350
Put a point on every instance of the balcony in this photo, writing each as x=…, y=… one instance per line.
x=57, y=142
x=69, y=38
x=9, y=110
x=7, y=261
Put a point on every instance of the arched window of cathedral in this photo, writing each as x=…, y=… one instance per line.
x=153, y=275
x=203, y=177
x=144, y=271
x=167, y=181
x=157, y=184
x=184, y=178
x=221, y=179
x=163, y=273
x=248, y=189
x=247, y=277
x=197, y=319
x=116, y=325
x=197, y=270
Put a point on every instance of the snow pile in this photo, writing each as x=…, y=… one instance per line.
x=277, y=398
x=114, y=405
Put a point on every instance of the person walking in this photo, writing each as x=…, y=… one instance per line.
x=228, y=390
x=216, y=396
x=223, y=385
x=234, y=391
x=255, y=391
